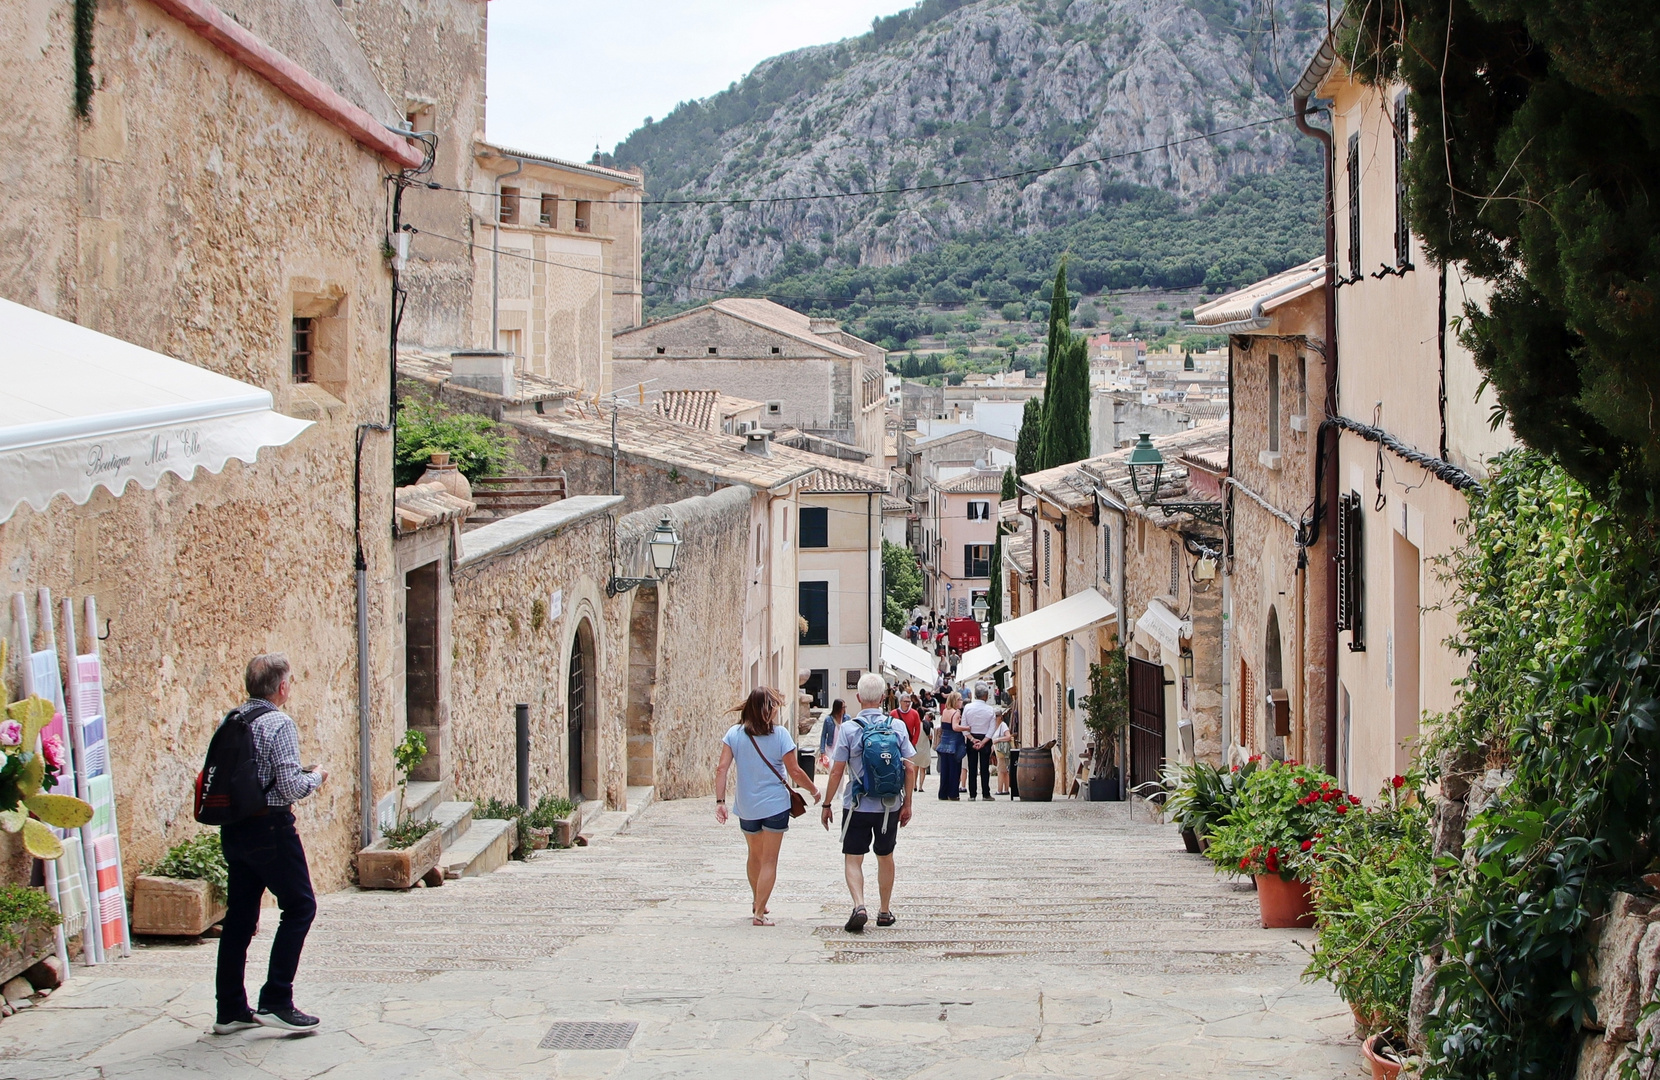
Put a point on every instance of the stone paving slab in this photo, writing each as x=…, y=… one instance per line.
x=1035, y=940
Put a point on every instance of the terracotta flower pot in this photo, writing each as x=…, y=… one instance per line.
x=1284, y=904
x=1382, y=1068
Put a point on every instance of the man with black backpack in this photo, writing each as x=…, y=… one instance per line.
x=252, y=777
x=878, y=753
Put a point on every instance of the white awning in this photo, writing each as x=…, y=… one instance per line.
x=85, y=410
x=908, y=659
x=1077, y=613
x=1162, y=625
x=979, y=660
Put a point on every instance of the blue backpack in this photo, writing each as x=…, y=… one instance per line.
x=884, y=763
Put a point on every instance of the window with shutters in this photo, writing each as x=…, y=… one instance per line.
x=1351, y=563
x=813, y=599
x=1106, y=554
x=976, y=560
x=1247, y=706
x=815, y=527
x=1273, y=403
x=1403, y=233
x=507, y=212
x=979, y=510
x=1046, y=556
x=1354, y=207
x=1175, y=570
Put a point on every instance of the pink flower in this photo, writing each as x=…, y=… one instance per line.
x=11, y=733
x=52, y=748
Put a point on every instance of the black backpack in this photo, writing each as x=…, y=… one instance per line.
x=228, y=787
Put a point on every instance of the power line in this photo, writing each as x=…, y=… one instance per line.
x=938, y=186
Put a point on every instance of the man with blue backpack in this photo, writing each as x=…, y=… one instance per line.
x=878, y=755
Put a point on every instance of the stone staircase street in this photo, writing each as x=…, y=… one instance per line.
x=1034, y=940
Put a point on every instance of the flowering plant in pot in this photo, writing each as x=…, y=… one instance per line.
x=1203, y=796
x=1284, y=808
x=1373, y=880
x=28, y=775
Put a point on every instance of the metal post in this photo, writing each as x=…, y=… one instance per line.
x=521, y=736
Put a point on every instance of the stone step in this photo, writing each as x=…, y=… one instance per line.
x=421, y=798
x=484, y=847
x=454, y=819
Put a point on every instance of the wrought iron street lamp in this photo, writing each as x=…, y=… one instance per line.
x=1147, y=476
x=665, y=547
x=980, y=608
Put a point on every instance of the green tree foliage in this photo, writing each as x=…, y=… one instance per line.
x=1532, y=156
x=1028, y=442
x=1010, y=490
x=994, y=595
x=1065, y=432
x=1107, y=709
x=901, y=586
x=476, y=444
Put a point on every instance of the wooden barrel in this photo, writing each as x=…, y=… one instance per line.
x=1037, y=774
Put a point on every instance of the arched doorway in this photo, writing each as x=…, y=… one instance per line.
x=642, y=682
x=581, y=745
x=1273, y=678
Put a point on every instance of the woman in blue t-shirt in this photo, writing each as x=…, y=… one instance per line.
x=764, y=753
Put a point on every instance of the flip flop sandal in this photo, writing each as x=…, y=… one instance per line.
x=761, y=920
x=885, y=918
x=856, y=921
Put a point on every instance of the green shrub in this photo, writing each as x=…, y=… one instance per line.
x=502, y=810
x=476, y=444
x=1202, y=796
x=548, y=809
x=198, y=859
x=23, y=907
x=1284, y=808
x=405, y=835
x=1373, y=882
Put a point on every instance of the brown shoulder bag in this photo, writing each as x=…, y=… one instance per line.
x=798, y=802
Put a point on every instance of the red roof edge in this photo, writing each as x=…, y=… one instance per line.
x=310, y=92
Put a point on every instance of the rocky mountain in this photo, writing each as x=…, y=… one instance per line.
x=951, y=92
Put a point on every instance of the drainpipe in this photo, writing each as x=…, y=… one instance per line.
x=1299, y=106
x=495, y=256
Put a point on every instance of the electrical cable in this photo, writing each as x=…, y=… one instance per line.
x=939, y=186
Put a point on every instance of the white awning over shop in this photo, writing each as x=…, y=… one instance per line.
x=85, y=410
x=908, y=659
x=1158, y=623
x=1077, y=613
x=978, y=661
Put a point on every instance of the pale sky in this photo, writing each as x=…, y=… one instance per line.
x=565, y=75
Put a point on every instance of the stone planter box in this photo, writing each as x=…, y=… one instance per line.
x=381, y=867
x=33, y=945
x=567, y=828
x=174, y=907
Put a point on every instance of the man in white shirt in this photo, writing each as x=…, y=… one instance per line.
x=981, y=720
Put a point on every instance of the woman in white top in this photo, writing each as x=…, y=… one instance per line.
x=1000, y=740
x=764, y=753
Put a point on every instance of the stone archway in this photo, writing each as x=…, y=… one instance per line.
x=582, y=717
x=642, y=685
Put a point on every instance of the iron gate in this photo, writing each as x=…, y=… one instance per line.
x=1146, y=721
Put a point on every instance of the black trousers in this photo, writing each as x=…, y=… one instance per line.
x=979, y=769
x=263, y=853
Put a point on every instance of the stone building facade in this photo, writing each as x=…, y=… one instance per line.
x=839, y=588
x=812, y=375
x=961, y=532
x=177, y=216
x=1274, y=578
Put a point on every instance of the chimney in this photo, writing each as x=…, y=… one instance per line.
x=758, y=443
x=483, y=369
x=823, y=326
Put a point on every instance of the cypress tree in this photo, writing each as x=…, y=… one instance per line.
x=1030, y=437
x=1060, y=320
x=1066, y=422
x=994, y=595
x=1009, y=490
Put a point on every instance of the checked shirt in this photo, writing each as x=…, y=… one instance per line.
x=277, y=758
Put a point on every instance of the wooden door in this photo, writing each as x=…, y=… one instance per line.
x=1146, y=721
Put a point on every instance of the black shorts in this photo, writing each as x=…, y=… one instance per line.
x=866, y=828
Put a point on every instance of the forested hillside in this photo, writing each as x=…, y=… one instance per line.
x=950, y=92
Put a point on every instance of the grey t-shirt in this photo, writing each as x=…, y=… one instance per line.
x=850, y=747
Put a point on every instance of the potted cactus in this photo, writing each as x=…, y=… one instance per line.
x=28, y=776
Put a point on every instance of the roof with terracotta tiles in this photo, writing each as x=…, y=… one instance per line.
x=1237, y=306
x=973, y=482
x=422, y=506
x=434, y=368
x=1072, y=487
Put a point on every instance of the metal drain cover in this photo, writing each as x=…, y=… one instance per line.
x=585, y=1035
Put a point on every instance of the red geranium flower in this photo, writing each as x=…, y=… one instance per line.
x=1307, y=844
x=1398, y=781
x=1355, y=799
x=1341, y=809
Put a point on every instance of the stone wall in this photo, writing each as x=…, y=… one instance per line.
x=510, y=648
x=194, y=212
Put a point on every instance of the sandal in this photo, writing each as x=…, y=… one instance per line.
x=885, y=918
x=761, y=920
x=856, y=921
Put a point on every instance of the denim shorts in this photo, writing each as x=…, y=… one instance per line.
x=775, y=823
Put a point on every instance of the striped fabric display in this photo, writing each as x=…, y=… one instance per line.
x=72, y=894
x=112, y=908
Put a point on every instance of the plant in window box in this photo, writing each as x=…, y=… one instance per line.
x=1283, y=809
x=27, y=919
x=1373, y=878
x=1107, y=713
x=184, y=893
x=402, y=856
x=27, y=776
